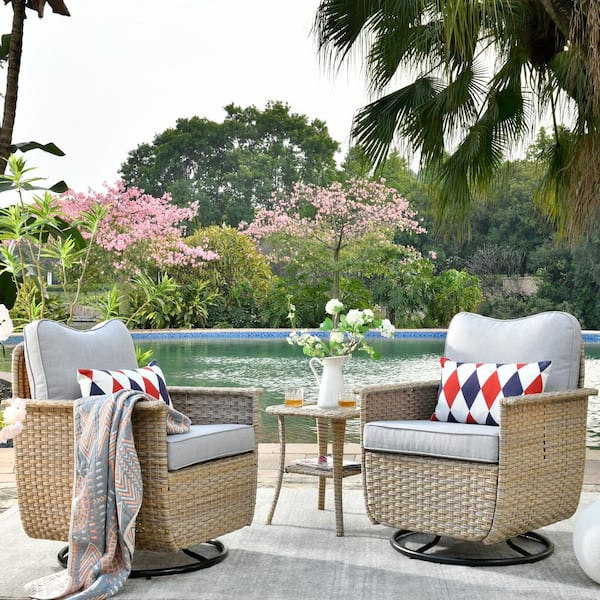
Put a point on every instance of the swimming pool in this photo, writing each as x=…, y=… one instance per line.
x=264, y=359
x=271, y=363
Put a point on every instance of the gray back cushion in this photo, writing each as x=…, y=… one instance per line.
x=54, y=352
x=552, y=335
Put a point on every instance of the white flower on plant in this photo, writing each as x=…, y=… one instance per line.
x=15, y=412
x=337, y=337
x=6, y=324
x=354, y=317
x=368, y=315
x=10, y=431
x=12, y=416
x=387, y=329
x=333, y=307
x=11, y=419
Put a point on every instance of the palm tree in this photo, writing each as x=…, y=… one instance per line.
x=465, y=82
x=14, y=65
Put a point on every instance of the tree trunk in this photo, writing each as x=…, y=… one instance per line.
x=561, y=13
x=336, y=287
x=12, y=81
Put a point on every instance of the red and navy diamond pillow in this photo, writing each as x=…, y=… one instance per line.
x=150, y=379
x=471, y=392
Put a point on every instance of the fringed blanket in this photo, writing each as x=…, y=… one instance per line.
x=107, y=495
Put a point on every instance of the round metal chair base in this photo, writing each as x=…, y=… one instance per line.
x=540, y=547
x=200, y=561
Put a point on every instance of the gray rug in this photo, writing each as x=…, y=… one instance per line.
x=299, y=557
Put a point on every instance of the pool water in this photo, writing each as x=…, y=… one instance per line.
x=273, y=364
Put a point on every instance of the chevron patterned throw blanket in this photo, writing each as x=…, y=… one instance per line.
x=107, y=496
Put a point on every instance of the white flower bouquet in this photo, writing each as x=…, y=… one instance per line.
x=346, y=332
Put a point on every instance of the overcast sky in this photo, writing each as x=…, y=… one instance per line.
x=117, y=72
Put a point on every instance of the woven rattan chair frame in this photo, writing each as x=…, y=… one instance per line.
x=537, y=481
x=180, y=508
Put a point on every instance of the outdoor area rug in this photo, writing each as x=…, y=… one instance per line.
x=299, y=557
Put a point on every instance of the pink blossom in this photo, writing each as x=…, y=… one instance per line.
x=339, y=213
x=138, y=225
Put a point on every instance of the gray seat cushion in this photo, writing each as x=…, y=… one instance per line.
x=552, y=335
x=54, y=352
x=430, y=438
x=207, y=442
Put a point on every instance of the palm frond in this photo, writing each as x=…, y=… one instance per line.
x=339, y=23
x=376, y=125
x=450, y=102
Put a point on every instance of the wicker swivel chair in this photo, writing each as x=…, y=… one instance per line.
x=480, y=483
x=180, y=508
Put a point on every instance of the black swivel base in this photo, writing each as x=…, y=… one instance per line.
x=200, y=561
x=537, y=547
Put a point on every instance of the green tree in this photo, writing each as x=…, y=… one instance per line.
x=12, y=55
x=508, y=220
x=453, y=291
x=231, y=168
x=414, y=295
x=37, y=236
x=242, y=289
x=482, y=72
x=332, y=231
x=586, y=282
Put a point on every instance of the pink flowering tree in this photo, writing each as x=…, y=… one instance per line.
x=345, y=228
x=138, y=233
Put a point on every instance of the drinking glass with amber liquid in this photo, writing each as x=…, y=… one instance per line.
x=294, y=396
x=348, y=399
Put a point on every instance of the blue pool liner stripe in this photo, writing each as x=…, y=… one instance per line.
x=266, y=334
x=589, y=337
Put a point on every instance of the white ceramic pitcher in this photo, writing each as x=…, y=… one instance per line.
x=331, y=383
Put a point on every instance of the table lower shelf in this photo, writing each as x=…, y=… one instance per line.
x=321, y=468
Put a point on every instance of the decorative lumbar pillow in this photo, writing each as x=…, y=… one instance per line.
x=471, y=392
x=150, y=379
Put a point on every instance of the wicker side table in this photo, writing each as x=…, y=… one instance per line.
x=336, y=468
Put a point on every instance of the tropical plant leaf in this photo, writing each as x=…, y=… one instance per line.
x=540, y=58
x=8, y=290
x=58, y=188
x=4, y=46
x=57, y=6
x=50, y=147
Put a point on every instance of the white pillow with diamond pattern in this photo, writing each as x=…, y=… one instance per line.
x=150, y=380
x=471, y=392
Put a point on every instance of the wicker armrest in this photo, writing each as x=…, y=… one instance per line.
x=41, y=414
x=543, y=422
x=541, y=460
x=37, y=407
x=206, y=405
x=402, y=401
